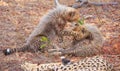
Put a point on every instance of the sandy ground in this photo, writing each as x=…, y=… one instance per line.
x=19, y=17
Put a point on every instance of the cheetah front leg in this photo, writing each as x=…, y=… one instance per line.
x=70, y=51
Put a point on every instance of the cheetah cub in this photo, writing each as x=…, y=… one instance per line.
x=51, y=25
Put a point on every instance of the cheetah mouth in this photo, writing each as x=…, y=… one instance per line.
x=73, y=24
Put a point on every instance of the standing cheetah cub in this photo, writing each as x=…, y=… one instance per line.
x=50, y=25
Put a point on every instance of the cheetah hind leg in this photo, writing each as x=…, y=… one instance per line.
x=55, y=51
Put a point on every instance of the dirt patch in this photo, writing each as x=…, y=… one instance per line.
x=18, y=18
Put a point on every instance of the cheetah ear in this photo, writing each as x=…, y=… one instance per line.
x=71, y=14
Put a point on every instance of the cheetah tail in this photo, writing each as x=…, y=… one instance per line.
x=57, y=3
x=9, y=51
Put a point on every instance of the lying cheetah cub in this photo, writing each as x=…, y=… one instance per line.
x=89, y=46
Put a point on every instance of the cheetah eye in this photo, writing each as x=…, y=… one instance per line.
x=71, y=14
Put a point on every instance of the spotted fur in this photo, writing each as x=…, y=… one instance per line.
x=50, y=25
x=96, y=63
x=87, y=47
x=78, y=33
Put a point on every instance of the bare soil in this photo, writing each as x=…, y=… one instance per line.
x=19, y=17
